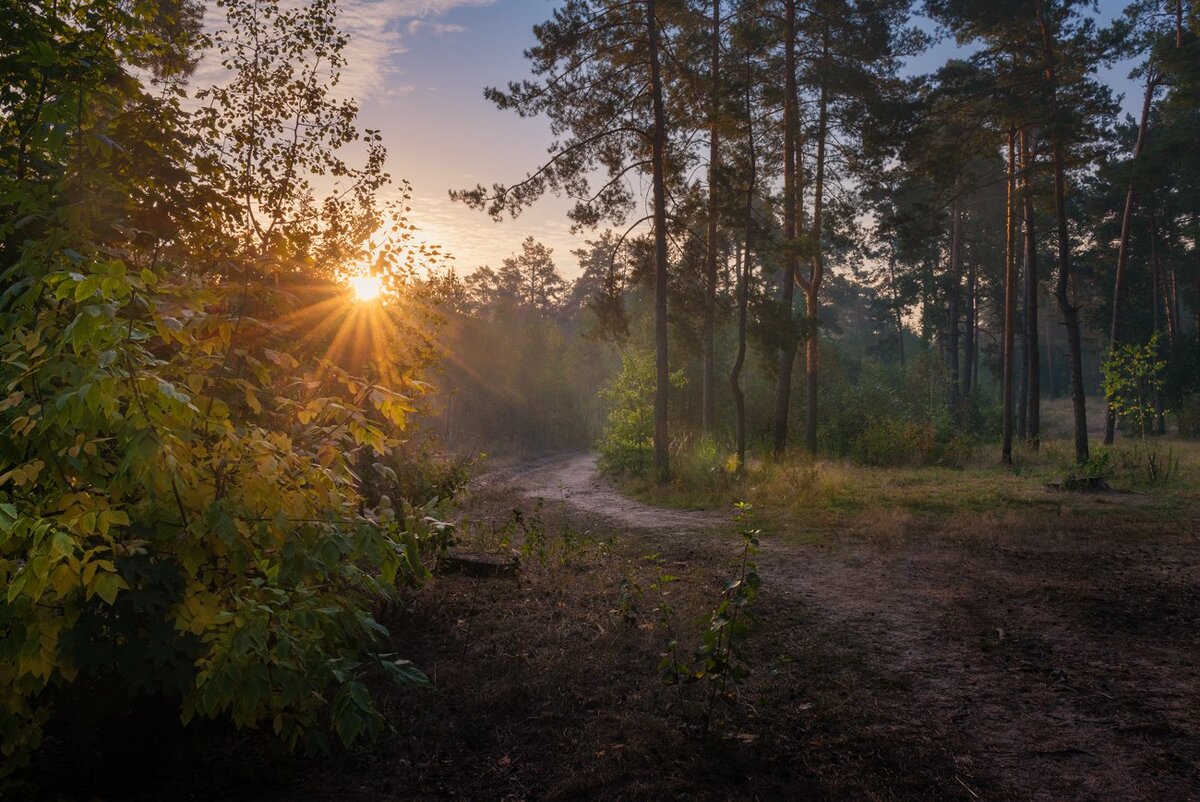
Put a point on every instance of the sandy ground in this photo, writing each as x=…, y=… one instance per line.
x=1062, y=661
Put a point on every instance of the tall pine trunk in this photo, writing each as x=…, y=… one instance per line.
x=1162, y=292
x=953, y=301
x=1010, y=296
x=735, y=374
x=708, y=381
x=969, y=334
x=1062, y=288
x=787, y=295
x=658, y=169
x=1033, y=357
x=896, y=308
x=1118, y=298
x=812, y=287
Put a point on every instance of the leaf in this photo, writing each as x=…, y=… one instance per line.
x=62, y=544
x=107, y=586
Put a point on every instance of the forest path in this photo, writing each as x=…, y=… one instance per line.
x=1056, y=657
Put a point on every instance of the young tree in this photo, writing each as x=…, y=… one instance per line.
x=274, y=126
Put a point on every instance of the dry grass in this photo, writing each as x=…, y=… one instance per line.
x=803, y=497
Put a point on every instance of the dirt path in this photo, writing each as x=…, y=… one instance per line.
x=573, y=479
x=1059, y=662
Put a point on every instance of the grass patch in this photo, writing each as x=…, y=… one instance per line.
x=799, y=494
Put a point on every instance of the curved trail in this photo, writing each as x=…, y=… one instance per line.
x=1029, y=645
x=575, y=480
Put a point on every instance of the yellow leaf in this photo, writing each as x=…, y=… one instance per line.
x=64, y=580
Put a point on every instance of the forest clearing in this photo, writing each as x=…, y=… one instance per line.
x=745, y=399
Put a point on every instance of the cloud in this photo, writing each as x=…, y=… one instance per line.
x=377, y=31
x=436, y=28
x=474, y=240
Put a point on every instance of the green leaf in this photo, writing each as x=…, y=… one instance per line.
x=107, y=586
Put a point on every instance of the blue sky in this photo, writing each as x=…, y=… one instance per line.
x=419, y=67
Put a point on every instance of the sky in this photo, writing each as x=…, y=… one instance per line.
x=418, y=69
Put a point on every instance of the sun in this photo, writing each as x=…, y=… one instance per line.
x=366, y=287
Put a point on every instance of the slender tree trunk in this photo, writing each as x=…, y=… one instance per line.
x=1010, y=297
x=1175, y=304
x=735, y=374
x=953, y=298
x=1161, y=295
x=658, y=168
x=969, y=334
x=1118, y=298
x=1022, y=366
x=1062, y=288
x=709, y=384
x=812, y=287
x=1196, y=276
x=1156, y=297
x=791, y=131
x=896, y=308
x=1033, y=358
x=1051, y=373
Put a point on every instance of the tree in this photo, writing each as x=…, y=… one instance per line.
x=793, y=222
x=1062, y=287
x=182, y=513
x=274, y=126
x=532, y=278
x=600, y=81
x=1010, y=297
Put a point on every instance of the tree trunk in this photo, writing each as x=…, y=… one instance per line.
x=896, y=308
x=953, y=293
x=791, y=203
x=1022, y=366
x=735, y=374
x=1114, y=332
x=1033, y=358
x=1010, y=298
x=1062, y=288
x=1161, y=294
x=812, y=287
x=1051, y=373
x=708, y=381
x=658, y=168
x=969, y=334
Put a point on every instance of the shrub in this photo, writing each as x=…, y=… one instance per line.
x=627, y=445
x=1133, y=376
x=889, y=418
x=169, y=523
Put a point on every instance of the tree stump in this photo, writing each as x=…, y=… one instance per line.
x=482, y=565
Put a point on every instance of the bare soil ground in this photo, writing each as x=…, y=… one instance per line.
x=1016, y=655
x=1060, y=655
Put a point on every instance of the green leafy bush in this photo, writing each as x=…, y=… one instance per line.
x=182, y=505
x=890, y=418
x=627, y=445
x=1133, y=376
x=156, y=502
